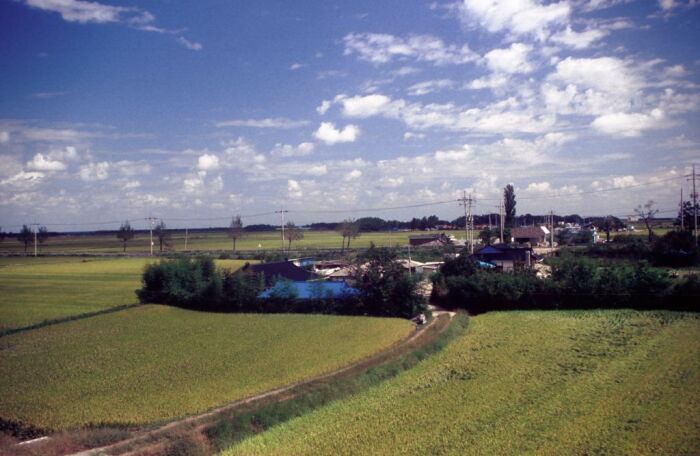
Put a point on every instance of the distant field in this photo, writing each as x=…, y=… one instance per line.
x=153, y=363
x=211, y=241
x=601, y=382
x=36, y=289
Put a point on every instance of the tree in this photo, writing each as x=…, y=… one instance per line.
x=2, y=235
x=25, y=236
x=125, y=233
x=163, y=235
x=647, y=213
x=292, y=233
x=610, y=223
x=235, y=230
x=685, y=213
x=487, y=234
x=509, y=204
x=42, y=234
x=348, y=229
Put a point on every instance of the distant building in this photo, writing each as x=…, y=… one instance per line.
x=281, y=270
x=533, y=235
x=507, y=258
x=429, y=240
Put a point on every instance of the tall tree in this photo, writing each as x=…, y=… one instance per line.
x=509, y=204
x=2, y=235
x=25, y=236
x=487, y=234
x=292, y=233
x=125, y=233
x=42, y=235
x=647, y=213
x=235, y=230
x=611, y=223
x=163, y=235
x=348, y=229
x=685, y=213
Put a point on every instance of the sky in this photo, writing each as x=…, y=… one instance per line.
x=196, y=111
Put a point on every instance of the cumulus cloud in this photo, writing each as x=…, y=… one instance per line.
x=426, y=87
x=4, y=137
x=628, y=124
x=273, y=122
x=330, y=135
x=383, y=48
x=579, y=40
x=523, y=17
x=510, y=60
x=40, y=162
x=94, y=171
x=208, y=162
x=353, y=175
x=24, y=180
x=294, y=189
x=287, y=150
x=324, y=107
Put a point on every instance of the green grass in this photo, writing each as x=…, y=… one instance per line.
x=153, y=363
x=33, y=290
x=211, y=241
x=601, y=382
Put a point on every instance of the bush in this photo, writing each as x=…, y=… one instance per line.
x=182, y=282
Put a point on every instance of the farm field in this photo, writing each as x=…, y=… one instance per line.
x=45, y=288
x=104, y=243
x=153, y=363
x=597, y=382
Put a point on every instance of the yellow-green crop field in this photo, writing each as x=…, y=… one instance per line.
x=103, y=243
x=152, y=363
x=545, y=383
x=45, y=288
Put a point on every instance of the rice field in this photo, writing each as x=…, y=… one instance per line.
x=153, y=363
x=108, y=243
x=550, y=383
x=33, y=290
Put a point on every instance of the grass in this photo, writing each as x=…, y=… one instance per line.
x=154, y=363
x=33, y=290
x=597, y=382
x=103, y=243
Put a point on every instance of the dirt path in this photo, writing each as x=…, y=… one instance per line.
x=139, y=442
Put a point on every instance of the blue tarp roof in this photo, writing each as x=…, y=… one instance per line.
x=308, y=290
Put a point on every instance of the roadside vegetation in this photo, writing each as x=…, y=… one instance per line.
x=154, y=363
x=581, y=382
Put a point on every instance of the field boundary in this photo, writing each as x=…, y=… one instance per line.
x=153, y=437
x=56, y=321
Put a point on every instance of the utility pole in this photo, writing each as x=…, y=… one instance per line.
x=186, y=239
x=282, y=212
x=36, y=230
x=151, y=221
x=467, y=202
x=682, y=214
x=691, y=177
x=551, y=231
x=500, y=219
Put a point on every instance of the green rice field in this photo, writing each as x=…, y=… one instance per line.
x=33, y=290
x=103, y=243
x=545, y=383
x=153, y=363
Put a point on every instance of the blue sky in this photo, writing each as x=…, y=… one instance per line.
x=191, y=111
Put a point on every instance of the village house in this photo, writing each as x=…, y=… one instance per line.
x=506, y=257
x=280, y=270
x=533, y=235
x=429, y=240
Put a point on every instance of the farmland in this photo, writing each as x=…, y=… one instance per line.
x=154, y=363
x=36, y=289
x=598, y=382
x=269, y=240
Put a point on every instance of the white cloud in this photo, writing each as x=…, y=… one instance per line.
x=607, y=74
x=208, y=162
x=317, y=170
x=578, y=40
x=510, y=60
x=81, y=11
x=131, y=168
x=383, y=48
x=628, y=124
x=521, y=17
x=353, y=175
x=242, y=155
x=539, y=187
x=369, y=105
x=40, y=162
x=54, y=134
x=191, y=45
x=94, y=171
x=296, y=66
x=411, y=135
x=324, y=107
x=287, y=150
x=330, y=135
x=24, y=180
x=451, y=155
x=131, y=185
x=493, y=81
x=276, y=122
x=426, y=87
x=294, y=189
x=4, y=137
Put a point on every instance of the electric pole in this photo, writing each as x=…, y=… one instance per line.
x=282, y=212
x=682, y=213
x=36, y=230
x=691, y=177
x=151, y=222
x=500, y=219
x=551, y=231
x=186, y=239
x=467, y=202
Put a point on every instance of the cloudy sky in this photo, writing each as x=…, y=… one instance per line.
x=195, y=111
